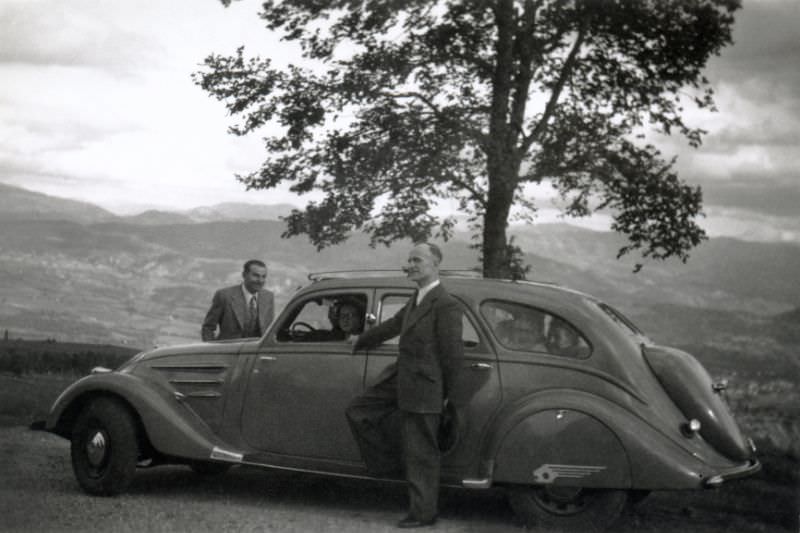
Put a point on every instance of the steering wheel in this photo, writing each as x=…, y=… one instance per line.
x=301, y=329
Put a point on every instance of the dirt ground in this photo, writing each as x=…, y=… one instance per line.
x=39, y=493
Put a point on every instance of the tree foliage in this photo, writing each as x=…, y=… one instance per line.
x=401, y=104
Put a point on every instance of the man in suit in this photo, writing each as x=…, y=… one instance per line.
x=244, y=310
x=414, y=389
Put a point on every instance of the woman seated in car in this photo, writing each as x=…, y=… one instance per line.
x=349, y=319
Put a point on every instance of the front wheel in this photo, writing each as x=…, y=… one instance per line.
x=568, y=508
x=104, y=447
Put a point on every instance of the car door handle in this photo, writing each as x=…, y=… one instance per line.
x=480, y=366
x=267, y=358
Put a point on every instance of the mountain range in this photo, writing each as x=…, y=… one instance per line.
x=73, y=271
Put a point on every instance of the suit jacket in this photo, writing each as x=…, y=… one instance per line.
x=430, y=350
x=229, y=312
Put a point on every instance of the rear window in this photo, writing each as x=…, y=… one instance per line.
x=622, y=320
x=525, y=328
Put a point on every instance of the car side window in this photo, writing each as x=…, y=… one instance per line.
x=392, y=303
x=524, y=328
x=329, y=318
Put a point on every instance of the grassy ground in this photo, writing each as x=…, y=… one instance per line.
x=24, y=399
x=765, y=502
x=20, y=357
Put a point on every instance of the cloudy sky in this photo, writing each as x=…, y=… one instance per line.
x=97, y=104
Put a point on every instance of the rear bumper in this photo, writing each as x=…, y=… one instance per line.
x=747, y=469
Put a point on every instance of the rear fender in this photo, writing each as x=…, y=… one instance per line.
x=569, y=437
x=562, y=447
x=171, y=427
x=690, y=387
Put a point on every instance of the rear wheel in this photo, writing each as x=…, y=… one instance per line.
x=568, y=508
x=104, y=447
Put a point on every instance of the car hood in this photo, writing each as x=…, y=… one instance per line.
x=198, y=348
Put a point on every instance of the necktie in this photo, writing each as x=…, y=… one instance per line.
x=252, y=322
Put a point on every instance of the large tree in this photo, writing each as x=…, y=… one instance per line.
x=400, y=104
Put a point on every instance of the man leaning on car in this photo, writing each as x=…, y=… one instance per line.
x=417, y=384
x=243, y=310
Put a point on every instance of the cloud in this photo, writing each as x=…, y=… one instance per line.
x=746, y=225
x=74, y=33
x=748, y=162
x=765, y=196
x=765, y=55
x=97, y=104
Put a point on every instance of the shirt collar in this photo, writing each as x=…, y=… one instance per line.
x=247, y=294
x=426, y=289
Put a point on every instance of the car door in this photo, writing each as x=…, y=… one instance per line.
x=301, y=382
x=478, y=381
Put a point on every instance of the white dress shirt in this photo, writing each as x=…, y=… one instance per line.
x=425, y=290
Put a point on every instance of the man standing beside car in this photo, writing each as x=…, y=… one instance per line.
x=418, y=385
x=243, y=310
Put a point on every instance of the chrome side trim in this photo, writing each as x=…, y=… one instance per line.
x=476, y=483
x=197, y=381
x=194, y=366
x=204, y=394
x=226, y=455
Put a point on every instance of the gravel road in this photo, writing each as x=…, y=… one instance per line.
x=39, y=493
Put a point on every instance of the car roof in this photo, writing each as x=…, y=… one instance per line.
x=474, y=286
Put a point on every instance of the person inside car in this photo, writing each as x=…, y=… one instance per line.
x=525, y=331
x=350, y=319
x=346, y=317
x=562, y=339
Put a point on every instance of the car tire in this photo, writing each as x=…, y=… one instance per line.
x=104, y=447
x=209, y=468
x=568, y=508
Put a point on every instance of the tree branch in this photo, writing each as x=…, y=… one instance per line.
x=480, y=137
x=557, y=89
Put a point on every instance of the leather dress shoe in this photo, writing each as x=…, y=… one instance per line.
x=411, y=522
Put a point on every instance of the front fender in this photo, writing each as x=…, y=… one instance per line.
x=577, y=438
x=171, y=427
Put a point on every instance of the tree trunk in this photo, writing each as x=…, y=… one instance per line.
x=503, y=175
x=495, y=241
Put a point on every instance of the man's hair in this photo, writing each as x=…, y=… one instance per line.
x=435, y=251
x=252, y=262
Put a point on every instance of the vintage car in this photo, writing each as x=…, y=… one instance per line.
x=571, y=408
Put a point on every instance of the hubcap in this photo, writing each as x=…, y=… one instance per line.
x=97, y=448
x=561, y=500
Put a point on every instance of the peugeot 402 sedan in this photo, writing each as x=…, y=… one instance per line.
x=571, y=408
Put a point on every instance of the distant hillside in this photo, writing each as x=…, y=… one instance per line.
x=721, y=273
x=239, y=211
x=153, y=217
x=144, y=280
x=17, y=203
